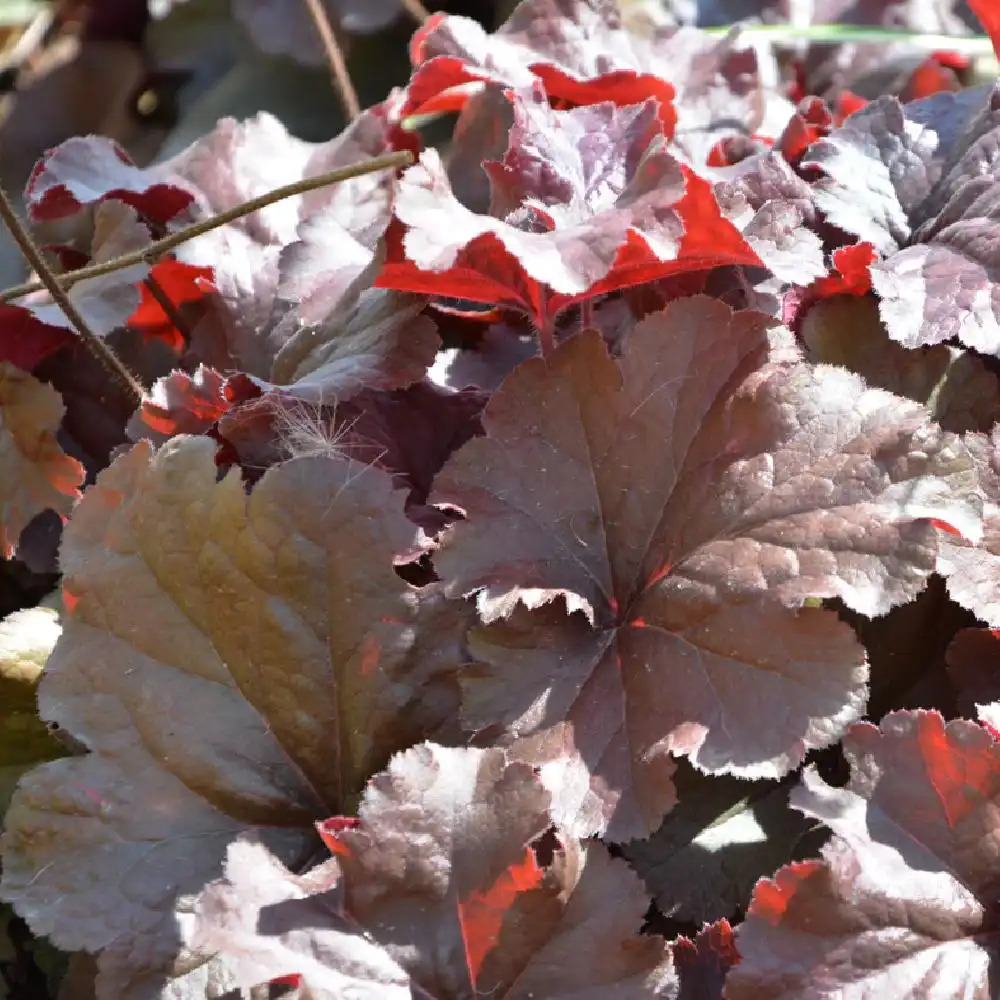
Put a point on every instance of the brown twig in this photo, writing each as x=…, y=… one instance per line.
x=335, y=57
x=97, y=347
x=416, y=10
x=170, y=310
x=150, y=254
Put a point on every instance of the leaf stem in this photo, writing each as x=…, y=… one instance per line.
x=546, y=325
x=150, y=254
x=335, y=57
x=97, y=347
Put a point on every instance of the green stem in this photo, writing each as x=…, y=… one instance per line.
x=838, y=34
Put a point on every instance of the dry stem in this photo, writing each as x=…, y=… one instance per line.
x=150, y=254
x=416, y=10
x=335, y=57
x=97, y=347
x=169, y=309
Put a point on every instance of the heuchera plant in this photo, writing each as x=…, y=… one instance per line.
x=562, y=566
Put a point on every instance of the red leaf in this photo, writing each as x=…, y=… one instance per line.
x=563, y=49
x=24, y=341
x=482, y=911
x=620, y=87
x=850, y=276
x=953, y=776
x=853, y=276
x=702, y=964
x=944, y=526
x=811, y=121
x=293, y=979
x=709, y=240
x=953, y=60
x=443, y=85
x=330, y=830
x=183, y=284
x=733, y=149
x=988, y=12
x=773, y=897
x=85, y=170
x=584, y=55
x=180, y=404
x=580, y=218
x=903, y=903
x=929, y=78
x=847, y=103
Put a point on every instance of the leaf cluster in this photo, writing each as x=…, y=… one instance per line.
x=563, y=566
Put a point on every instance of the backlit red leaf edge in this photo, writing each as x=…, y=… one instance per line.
x=902, y=903
x=660, y=219
x=448, y=53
